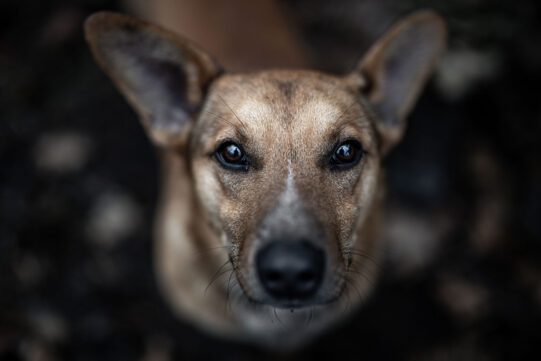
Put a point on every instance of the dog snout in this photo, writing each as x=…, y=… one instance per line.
x=290, y=271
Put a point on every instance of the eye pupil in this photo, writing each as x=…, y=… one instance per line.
x=345, y=152
x=346, y=155
x=232, y=153
x=231, y=156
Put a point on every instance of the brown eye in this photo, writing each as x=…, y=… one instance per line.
x=232, y=153
x=346, y=155
x=345, y=152
x=231, y=156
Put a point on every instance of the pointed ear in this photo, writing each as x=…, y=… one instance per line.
x=162, y=75
x=396, y=68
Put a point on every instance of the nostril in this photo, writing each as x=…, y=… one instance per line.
x=273, y=276
x=306, y=276
x=290, y=270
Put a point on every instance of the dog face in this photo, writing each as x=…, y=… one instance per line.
x=285, y=165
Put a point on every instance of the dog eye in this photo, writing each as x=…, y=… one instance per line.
x=231, y=156
x=346, y=154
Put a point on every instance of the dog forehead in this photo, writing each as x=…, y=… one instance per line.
x=315, y=111
x=290, y=100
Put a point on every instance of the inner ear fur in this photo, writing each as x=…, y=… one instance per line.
x=397, y=67
x=162, y=75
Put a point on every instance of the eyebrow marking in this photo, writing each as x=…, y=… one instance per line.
x=221, y=117
x=321, y=110
x=235, y=114
x=346, y=110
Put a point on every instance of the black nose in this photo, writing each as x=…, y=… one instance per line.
x=290, y=270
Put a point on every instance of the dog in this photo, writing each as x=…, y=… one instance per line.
x=267, y=227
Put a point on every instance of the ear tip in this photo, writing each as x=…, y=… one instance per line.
x=426, y=14
x=101, y=21
x=94, y=23
x=99, y=18
x=435, y=22
x=429, y=16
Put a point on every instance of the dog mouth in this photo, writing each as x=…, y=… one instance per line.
x=298, y=304
x=292, y=304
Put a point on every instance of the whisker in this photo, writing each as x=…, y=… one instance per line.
x=340, y=126
x=229, y=286
x=236, y=116
x=349, y=282
x=310, y=315
x=222, y=118
x=216, y=275
x=347, y=305
x=366, y=278
x=229, y=298
x=364, y=256
x=221, y=274
x=278, y=318
x=360, y=254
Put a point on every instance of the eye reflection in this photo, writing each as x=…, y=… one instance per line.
x=231, y=156
x=232, y=153
x=345, y=152
x=346, y=155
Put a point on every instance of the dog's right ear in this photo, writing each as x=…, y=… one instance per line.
x=396, y=68
x=163, y=76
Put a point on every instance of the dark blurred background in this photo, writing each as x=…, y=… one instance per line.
x=78, y=185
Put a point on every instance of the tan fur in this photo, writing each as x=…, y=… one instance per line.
x=212, y=220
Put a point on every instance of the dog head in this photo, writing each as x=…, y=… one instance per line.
x=285, y=164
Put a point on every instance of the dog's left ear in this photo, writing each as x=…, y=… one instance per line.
x=396, y=68
x=163, y=76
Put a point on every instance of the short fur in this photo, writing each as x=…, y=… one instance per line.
x=212, y=221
